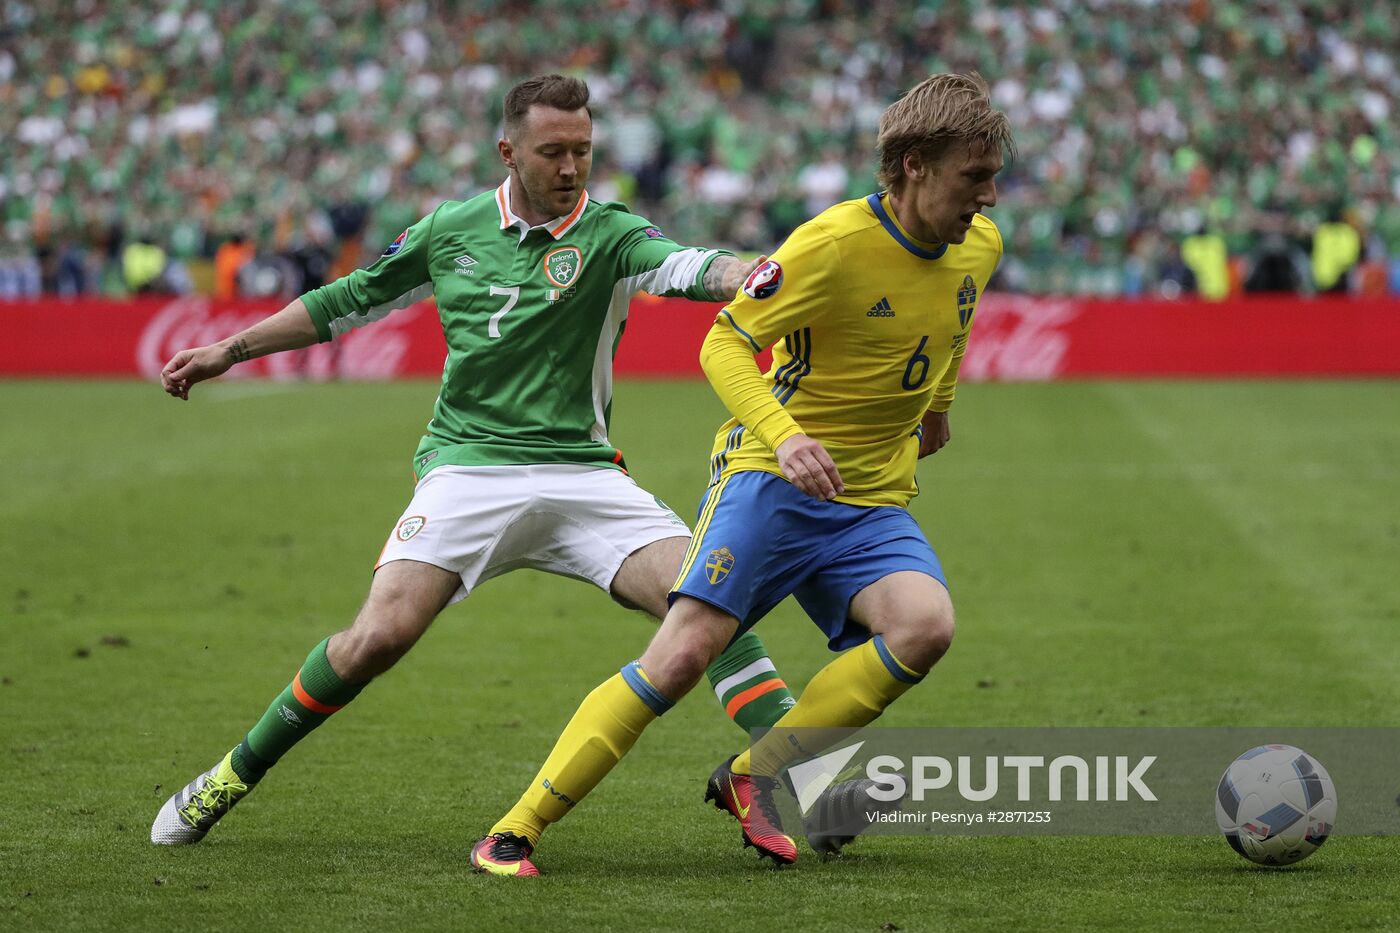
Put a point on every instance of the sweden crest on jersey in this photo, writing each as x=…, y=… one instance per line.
x=967, y=301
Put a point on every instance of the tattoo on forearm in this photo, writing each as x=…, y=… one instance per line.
x=239, y=352
x=713, y=282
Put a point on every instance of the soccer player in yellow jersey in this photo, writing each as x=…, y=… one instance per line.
x=868, y=306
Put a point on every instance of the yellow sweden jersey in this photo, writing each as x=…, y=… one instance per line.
x=868, y=330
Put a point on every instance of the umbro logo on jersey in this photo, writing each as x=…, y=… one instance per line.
x=464, y=265
x=880, y=308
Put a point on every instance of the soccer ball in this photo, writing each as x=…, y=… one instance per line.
x=1275, y=804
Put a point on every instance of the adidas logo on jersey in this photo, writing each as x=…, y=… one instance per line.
x=880, y=308
x=464, y=265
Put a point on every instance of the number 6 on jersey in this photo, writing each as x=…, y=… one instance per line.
x=512, y=293
x=910, y=382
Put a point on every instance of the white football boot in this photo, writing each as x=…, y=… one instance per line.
x=189, y=815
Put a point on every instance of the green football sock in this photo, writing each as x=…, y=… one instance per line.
x=309, y=700
x=748, y=686
x=848, y=693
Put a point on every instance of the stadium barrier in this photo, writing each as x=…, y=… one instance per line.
x=1015, y=338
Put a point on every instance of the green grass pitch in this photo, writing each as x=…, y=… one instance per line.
x=1121, y=554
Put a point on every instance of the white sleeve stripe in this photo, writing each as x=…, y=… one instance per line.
x=603, y=356
x=343, y=325
x=677, y=272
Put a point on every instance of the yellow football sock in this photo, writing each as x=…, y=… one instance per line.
x=603, y=729
x=848, y=693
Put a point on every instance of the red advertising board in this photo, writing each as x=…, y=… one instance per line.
x=1014, y=338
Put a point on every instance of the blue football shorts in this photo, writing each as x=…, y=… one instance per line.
x=759, y=539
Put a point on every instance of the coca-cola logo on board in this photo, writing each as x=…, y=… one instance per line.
x=1019, y=338
x=374, y=352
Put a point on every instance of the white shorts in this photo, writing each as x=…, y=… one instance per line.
x=574, y=520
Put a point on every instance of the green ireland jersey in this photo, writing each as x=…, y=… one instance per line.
x=532, y=317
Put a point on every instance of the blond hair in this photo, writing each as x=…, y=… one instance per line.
x=939, y=112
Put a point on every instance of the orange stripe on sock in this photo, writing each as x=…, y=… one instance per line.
x=740, y=700
x=307, y=700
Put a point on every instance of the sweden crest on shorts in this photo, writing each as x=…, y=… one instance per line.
x=718, y=564
x=967, y=301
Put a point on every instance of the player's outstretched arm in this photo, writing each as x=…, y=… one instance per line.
x=288, y=329
x=727, y=275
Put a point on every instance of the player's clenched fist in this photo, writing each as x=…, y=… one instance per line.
x=190, y=366
x=809, y=467
x=936, y=433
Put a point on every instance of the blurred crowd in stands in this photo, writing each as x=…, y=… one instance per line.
x=263, y=147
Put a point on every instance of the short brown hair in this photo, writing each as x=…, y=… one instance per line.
x=940, y=111
x=557, y=91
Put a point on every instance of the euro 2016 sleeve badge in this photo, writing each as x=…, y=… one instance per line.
x=764, y=281
x=397, y=245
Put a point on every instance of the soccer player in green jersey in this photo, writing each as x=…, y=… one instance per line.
x=532, y=282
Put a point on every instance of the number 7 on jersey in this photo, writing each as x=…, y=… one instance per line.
x=512, y=293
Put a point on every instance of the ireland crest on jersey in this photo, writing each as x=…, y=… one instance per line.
x=561, y=266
